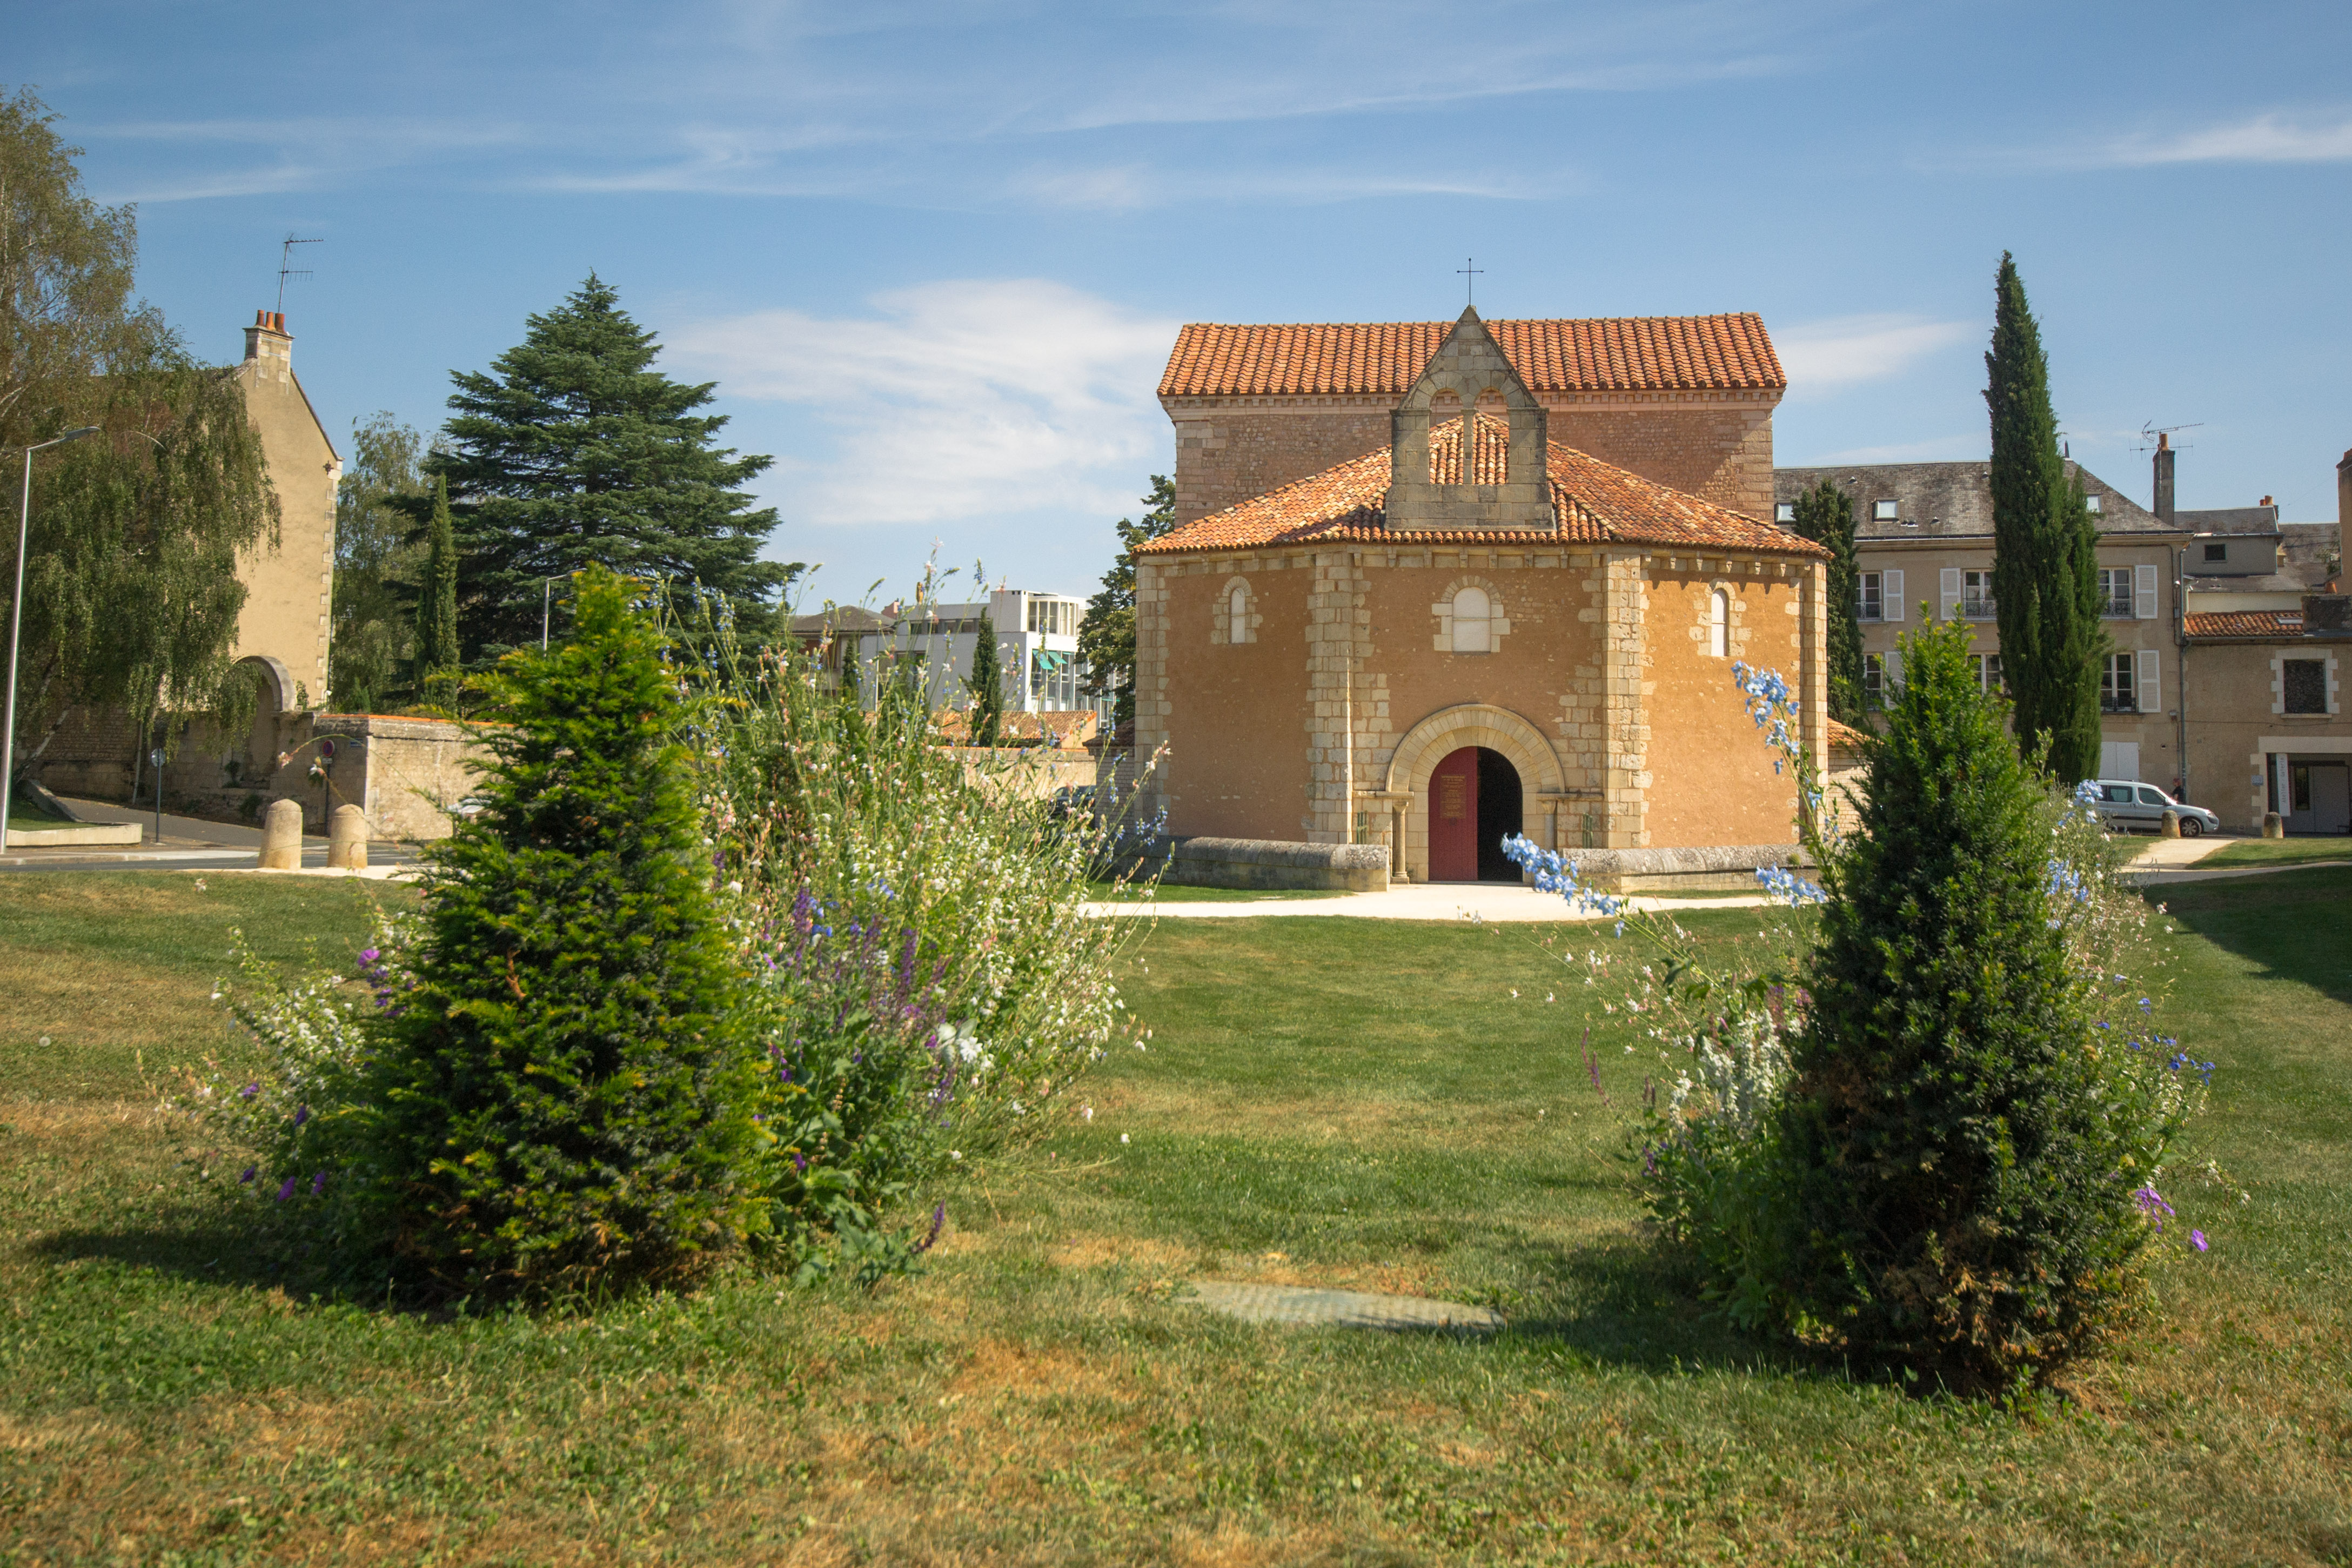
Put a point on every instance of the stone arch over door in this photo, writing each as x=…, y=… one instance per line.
x=1437, y=737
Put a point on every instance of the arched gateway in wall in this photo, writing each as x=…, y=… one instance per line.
x=1414, y=781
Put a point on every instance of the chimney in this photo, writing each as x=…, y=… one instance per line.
x=268, y=340
x=2163, y=507
x=2326, y=616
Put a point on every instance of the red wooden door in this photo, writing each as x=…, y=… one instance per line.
x=1453, y=818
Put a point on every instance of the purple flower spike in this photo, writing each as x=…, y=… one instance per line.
x=2197, y=1239
x=249, y=1090
x=288, y=1190
x=247, y=1178
x=318, y=1183
x=301, y=1114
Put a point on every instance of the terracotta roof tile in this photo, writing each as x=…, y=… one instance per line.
x=1594, y=502
x=2269, y=625
x=1626, y=353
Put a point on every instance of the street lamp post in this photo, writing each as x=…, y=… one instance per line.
x=15, y=627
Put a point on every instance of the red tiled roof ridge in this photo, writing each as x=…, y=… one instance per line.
x=1593, y=502
x=1561, y=354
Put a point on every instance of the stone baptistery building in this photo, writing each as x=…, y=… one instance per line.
x=1433, y=586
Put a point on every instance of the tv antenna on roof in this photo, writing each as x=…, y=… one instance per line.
x=286, y=267
x=2150, y=432
x=1469, y=271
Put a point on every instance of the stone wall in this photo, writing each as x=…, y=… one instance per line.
x=1601, y=689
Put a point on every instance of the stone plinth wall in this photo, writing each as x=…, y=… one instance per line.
x=1271, y=864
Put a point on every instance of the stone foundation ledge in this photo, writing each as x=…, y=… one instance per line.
x=1271, y=864
x=1698, y=869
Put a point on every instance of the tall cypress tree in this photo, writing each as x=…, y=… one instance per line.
x=987, y=685
x=572, y=451
x=2045, y=576
x=1825, y=516
x=1107, y=635
x=437, y=611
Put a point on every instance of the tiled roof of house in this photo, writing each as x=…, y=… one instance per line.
x=1594, y=502
x=2266, y=624
x=1948, y=500
x=1626, y=353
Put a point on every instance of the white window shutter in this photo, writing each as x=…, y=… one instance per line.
x=2149, y=664
x=1890, y=595
x=1951, y=593
x=1894, y=668
x=2144, y=592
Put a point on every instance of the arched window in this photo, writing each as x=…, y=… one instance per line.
x=1472, y=614
x=1719, y=624
x=1237, y=627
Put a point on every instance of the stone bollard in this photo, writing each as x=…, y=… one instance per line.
x=281, y=836
x=2273, y=824
x=347, y=838
x=2170, y=829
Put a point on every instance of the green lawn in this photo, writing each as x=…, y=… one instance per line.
x=2278, y=852
x=1342, y=1102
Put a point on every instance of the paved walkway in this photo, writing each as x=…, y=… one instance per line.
x=2162, y=861
x=1301, y=1306
x=1421, y=901
x=188, y=843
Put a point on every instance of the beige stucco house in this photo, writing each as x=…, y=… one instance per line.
x=1923, y=544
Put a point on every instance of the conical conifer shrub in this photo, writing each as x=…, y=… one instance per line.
x=564, y=1099
x=1962, y=1194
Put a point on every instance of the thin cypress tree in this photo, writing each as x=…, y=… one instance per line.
x=2045, y=576
x=1825, y=516
x=437, y=655
x=987, y=686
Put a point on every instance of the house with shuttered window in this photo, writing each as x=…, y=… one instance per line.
x=1923, y=544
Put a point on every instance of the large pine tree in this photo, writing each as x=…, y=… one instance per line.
x=574, y=450
x=2045, y=575
x=1825, y=516
x=1107, y=635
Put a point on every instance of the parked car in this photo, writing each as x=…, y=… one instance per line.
x=2128, y=805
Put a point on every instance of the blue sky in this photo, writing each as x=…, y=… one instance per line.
x=934, y=254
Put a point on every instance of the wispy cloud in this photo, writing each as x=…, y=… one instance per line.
x=2263, y=139
x=953, y=400
x=1829, y=355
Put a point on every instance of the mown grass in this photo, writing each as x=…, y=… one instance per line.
x=1357, y=1103
x=2278, y=852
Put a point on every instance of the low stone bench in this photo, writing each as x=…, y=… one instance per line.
x=1713, y=867
x=1270, y=864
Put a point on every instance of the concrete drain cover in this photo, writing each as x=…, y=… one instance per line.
x=1343, y=1308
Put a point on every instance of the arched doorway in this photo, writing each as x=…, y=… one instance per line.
x=1474, y=802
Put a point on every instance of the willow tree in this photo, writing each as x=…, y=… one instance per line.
x=130, y=592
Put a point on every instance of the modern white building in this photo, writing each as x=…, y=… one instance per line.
x=1036, y=649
